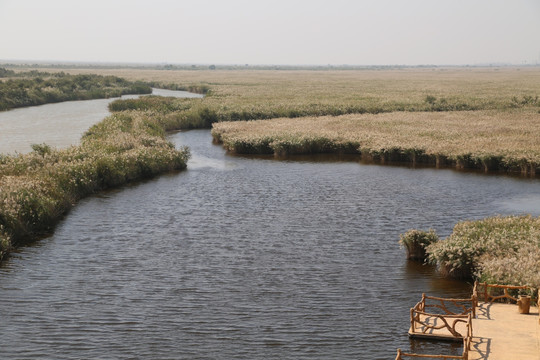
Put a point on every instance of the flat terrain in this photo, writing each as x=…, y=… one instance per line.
x=500, y=332
x=386, y=90
x=509, y=136
x=482, y=118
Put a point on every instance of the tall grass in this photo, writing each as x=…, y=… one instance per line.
x=48, y=88
x=502, y=250
x=487, y=140
x=248, y=95
x=38, y=188
x=194, y=88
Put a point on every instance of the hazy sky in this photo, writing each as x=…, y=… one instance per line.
x=359, y=32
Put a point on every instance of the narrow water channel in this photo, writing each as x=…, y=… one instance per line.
x=243, y=258
x=58, y=125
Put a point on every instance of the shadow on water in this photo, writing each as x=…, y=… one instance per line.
x=438, y=284
x=347, y=157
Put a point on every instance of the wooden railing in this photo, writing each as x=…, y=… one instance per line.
x=467, y=340
x=447, y=322
x=483, y=291
x=449, y=318
x=463, y=306
x=423, y=322
x=467, y=343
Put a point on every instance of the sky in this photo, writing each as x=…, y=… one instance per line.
x=284, y=32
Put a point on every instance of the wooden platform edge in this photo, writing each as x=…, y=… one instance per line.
x=450, y=338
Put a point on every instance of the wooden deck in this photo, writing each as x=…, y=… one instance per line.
x=500, y=332
x=437, y=329
x=491, y=331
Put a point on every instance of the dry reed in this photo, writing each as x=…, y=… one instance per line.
x=490, y=140
x=38, y=188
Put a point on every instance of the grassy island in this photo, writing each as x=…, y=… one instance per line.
x=37, y=88
x=38, y=188
x=465, y=118
x=489, y=140
x=502, y=250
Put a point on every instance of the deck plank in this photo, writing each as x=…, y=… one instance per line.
x=437, y=334
x=500, y=332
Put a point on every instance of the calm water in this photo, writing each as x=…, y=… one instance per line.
x=243, y=258
x=58, y=125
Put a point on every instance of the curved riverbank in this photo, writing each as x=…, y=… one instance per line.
x=61, y=124
x=282, y=259
x=38, y=188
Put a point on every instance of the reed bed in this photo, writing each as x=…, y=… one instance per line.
x=256, y=94
x=37, y=88
x=38, y=188
x=499, y=250
x=489, y=140
x=484, y=118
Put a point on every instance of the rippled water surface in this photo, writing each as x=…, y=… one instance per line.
x=242, y=258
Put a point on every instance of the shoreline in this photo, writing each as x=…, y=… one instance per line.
x=486, y=141
x=39, y=188
x=368, y=159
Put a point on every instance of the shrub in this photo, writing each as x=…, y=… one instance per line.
x=416, y=241
x=41, y=149
x=460, y=254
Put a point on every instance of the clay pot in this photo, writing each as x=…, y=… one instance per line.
x=524, y=304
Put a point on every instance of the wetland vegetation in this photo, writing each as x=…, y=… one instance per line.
x=38, y=188
x=488, y=140
x=496, y=250
x=178, y=228
x=467, y=118
x=19, y=89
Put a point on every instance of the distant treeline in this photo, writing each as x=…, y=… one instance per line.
x=37, y=88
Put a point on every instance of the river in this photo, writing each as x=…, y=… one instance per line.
x=243, y=258
x=60, y=124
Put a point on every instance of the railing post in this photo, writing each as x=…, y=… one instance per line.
x=475, y=297
x=398, y=357
x=412, y=320
x=470, y=326
x=474, y=304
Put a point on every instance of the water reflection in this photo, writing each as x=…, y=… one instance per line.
x=436, y=284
